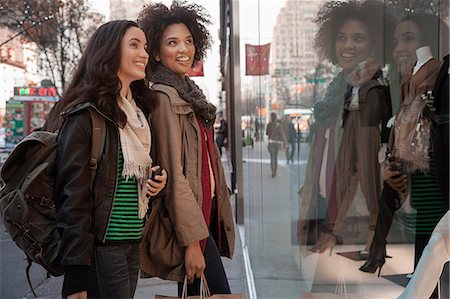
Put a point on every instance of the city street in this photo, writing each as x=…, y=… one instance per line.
x=271, y=216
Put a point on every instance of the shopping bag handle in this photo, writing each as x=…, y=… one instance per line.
x=204, y=289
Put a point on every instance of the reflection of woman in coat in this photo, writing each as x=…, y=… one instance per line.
x=414, y=32
x=347, y=37
x=196, y=210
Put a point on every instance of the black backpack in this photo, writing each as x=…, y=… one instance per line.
x=27, y=205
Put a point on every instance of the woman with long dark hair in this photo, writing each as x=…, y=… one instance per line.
x=414, y=169
x=101, y=227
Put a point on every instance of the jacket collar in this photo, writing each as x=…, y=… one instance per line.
x=179, y=105
x=81, y=107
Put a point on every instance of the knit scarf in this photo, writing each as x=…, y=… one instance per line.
x=208, y=157
x=412, y=128
x=327, y=110
x=188, y=91
x=135, y=140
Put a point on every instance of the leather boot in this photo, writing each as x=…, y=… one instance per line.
x=389, y=203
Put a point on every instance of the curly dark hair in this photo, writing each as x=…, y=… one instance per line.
x=334, y=14
x=95, y=79
x=156, y=17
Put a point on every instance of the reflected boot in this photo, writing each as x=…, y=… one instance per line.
x=389, y=203
x=428, y=270
x=326, y=241
x=376, y=258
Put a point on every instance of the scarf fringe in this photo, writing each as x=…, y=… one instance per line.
x=140, y=172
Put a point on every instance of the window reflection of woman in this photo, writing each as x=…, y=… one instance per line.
x=413, y=35
x=347, y=36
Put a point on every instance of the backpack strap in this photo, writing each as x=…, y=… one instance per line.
x=98, y=142
x=30, y=262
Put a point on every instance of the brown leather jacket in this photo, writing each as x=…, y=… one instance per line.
x=177, y=220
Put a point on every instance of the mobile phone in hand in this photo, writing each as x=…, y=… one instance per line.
x=155, y=173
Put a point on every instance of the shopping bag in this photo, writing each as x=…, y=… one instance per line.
x=204, y=292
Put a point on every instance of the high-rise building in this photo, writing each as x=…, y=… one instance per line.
x=292, y=50
x=126, y=9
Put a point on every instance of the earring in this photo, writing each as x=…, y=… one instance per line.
x=157, y=58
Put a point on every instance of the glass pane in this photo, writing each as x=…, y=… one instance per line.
x=320, y=84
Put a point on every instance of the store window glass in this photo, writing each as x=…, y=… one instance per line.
x=345, y=147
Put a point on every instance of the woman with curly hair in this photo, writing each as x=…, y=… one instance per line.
x=196, y=208
x=347, y=137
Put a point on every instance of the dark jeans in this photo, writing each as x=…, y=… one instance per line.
x=220, y=140
x=290, y=150
x=214, y=273
x=114, y=271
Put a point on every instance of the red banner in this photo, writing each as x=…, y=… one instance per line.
x=197, y=70
x=257, y=59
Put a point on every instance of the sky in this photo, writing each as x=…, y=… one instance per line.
x=257, y=18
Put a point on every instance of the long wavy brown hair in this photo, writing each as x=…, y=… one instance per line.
x=95, y=79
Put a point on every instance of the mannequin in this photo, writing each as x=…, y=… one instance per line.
x=429, y=268
x=423, y=55
x=416, y=81
x=437, y=251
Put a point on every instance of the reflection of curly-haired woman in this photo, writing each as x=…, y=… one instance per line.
x=349, y=36
x=196, y=202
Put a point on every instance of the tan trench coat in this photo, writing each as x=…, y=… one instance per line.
x=177, y=220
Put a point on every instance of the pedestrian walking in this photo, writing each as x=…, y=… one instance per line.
x=277, y=140
x=197, y=216
x=101, y=228
x=221, y=132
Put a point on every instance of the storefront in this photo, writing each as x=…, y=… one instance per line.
x=27, y=111
x=309, y=222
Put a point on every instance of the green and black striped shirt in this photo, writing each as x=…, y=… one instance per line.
x=125, y=224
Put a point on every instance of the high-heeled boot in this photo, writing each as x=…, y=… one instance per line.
x=431, y=263
x=376, y=259
x=388, y=204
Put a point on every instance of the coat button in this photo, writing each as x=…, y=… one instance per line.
x=228, y=228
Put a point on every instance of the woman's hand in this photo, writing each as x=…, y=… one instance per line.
x=395, y=179
x=363, y=72
x=79, y=295
x=155, y=186
x=194, y=261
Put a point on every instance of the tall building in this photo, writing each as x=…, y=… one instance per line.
x=126, y=9
x=293, y=55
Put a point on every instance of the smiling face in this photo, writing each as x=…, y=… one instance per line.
x=134, y=57
x=177, y=49
x=352, y=44
x=407, y=39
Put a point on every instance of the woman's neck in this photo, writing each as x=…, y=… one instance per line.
x=423, y=56
x=124, y=91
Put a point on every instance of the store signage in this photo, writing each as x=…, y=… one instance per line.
x=35, y=91
x=28, y=93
